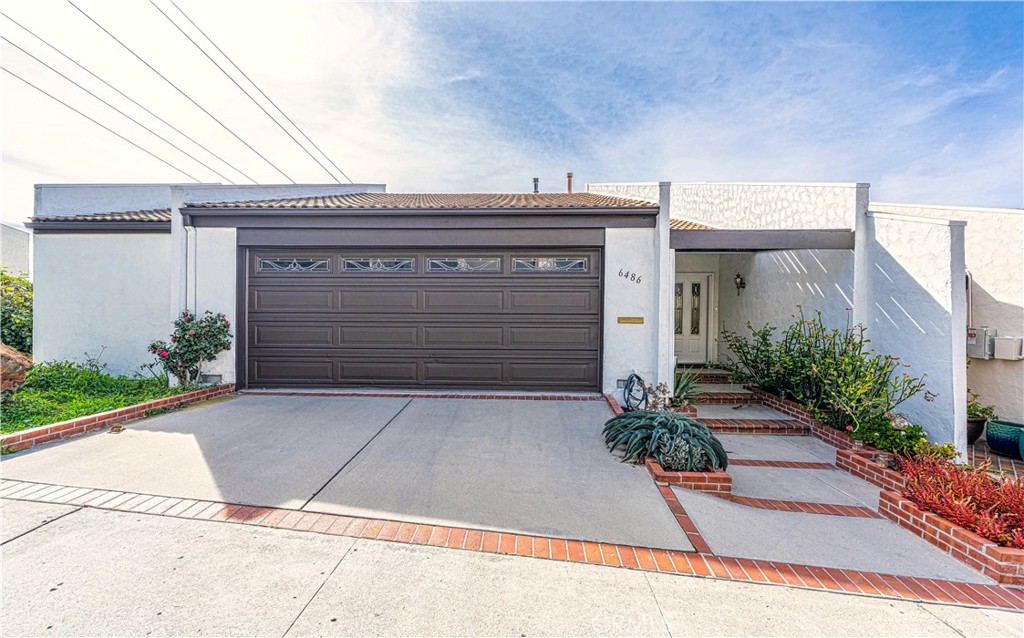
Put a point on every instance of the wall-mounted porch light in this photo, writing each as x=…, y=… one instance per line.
x=741, y=283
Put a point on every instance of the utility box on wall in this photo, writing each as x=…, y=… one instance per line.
x=979, y=342
x=1007, y=348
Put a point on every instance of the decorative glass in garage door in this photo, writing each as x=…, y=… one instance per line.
x=379, y=264
x=549, y=264
x=463, y=264
x=294, y=264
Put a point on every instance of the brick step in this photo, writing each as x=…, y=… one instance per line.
x=727, y=398
x=705, y=375
x=756, y=426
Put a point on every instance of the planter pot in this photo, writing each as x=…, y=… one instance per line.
x=975, y=428
x=1004, y=438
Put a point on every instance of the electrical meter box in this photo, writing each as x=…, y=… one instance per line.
x=979, y=342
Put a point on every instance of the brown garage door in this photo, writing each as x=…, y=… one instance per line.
x=528, y=319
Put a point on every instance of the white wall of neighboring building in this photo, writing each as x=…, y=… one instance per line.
x=994, y=255
x=15, y=249
x=911, y=298
x=96, y=291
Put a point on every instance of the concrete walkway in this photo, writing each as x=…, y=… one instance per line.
x=94, y=572
x=527, y=466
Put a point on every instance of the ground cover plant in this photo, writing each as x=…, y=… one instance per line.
x=15, y=311
x=968, y=497
x=61, y=390
x=834, y=373
x=677, y=443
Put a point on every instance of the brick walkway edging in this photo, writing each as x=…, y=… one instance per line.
x=1001, y=564
x=24, y=439
x=623, y=556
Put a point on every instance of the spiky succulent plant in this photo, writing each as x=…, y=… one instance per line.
x=652, y=433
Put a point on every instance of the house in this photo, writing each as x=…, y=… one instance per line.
x=353, y=286
x=15, y=249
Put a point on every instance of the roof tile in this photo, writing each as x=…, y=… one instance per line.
x=440, y=201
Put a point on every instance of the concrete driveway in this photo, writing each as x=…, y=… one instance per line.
x=527, y=466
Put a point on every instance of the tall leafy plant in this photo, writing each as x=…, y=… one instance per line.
x=15, y=311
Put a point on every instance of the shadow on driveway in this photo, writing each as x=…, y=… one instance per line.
x=534, y=467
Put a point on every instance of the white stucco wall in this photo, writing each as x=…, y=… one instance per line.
x=15, y=250
x=630, y=348
x=96, y=290
x=769, y=205
x=779, y=281
x=994, y=254
x=650, y=191
x=212, y=284
x=912, y=300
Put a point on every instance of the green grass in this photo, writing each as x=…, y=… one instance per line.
x=63, y=390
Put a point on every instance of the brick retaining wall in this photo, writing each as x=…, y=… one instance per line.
x=710, y=482
x=24, y=439
x=1002, y=564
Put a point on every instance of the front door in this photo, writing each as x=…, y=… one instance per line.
x=691, y=317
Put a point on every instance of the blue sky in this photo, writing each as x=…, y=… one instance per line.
x=923, y=100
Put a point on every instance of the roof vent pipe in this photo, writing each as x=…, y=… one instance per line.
x=536, y=185
x=568, y=183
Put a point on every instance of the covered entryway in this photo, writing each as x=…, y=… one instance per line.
x=471, y=318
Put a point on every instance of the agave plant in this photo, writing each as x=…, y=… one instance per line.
x=686, y=390
x=665, y=436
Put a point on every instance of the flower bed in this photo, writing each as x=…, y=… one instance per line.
x=44, y=434
x=1002, y=564
x=718, y=483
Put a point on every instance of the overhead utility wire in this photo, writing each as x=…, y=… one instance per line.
x=115, y=108
x=179, y=90
x=256, y=86
x=133, y=101
x=241, y=88
x=104, y=126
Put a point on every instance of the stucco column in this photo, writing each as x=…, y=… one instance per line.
x=665, y=257
x=179, y=257
x=860, y=255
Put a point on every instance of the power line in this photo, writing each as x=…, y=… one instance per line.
x=115, y=108
x=256, y=86
x=132, y=100
x=179, y=90
x=241, y=88
x=104, y=126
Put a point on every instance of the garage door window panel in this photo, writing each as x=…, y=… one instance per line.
x=550, y=265
x=379, y=264
x=464, y=264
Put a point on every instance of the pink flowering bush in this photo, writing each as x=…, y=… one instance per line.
x=194, y=341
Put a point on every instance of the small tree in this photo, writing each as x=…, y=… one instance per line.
x=195, y=340
x=15, y=311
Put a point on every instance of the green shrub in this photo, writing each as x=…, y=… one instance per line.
x=194, y=341
x=15, y=311
x=60, y=390
x=674, y=441
x=834, y=373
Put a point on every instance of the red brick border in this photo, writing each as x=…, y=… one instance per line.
x=24, y=439
x=864, y=465
x=756, y=426
x=697, y=564
x=788, y=465
x=710, y=482
x=805, y=507
x=1002, y=564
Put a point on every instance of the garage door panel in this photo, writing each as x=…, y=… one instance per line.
x=554, y=301
x=497, y=329
x=292, y=371
x=370, y=372
x=380, y=335
x=285, y=335
x=463, y=336
x=292, y=299
x=458, y=371
x=561, y=337
x=379, y=300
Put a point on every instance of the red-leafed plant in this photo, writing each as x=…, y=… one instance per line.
x=968, y=497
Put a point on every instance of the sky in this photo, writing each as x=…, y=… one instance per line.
x=924, y=101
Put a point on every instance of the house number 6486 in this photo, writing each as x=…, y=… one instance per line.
x=632, y=276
